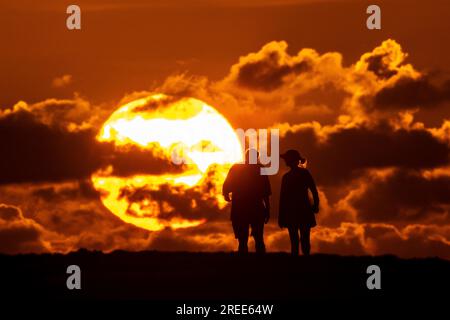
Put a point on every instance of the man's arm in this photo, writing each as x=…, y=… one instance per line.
x=226, y=196
x=266, y=198
x=266, y=201
x=227, y=185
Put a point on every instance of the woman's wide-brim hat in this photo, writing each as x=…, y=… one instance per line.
x=293, y=155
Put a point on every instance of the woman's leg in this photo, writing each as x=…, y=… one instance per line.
x=305, y=233
x=293, y=235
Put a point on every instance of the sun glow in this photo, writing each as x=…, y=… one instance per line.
x=185, y=130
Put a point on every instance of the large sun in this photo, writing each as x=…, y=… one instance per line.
x=175, y=129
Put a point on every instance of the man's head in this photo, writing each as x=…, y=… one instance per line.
x=251, y=156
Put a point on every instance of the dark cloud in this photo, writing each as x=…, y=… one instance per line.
x=346, y=239
x=64, y=222
x=269, y=68
x=134, y=160
x=347, y=243
x=268, y=73
x=123, y=237
x=347, y=153
x=376, y=64
x=20, y=238
x=36, y=152
x=176, y=202
x=404, y=197
x=9, y=213
x=408, y=93
x=211, y=237
x=33, y=151
x=380, y=239
x=74, y=222
x=409, y=242
x=82, y=189
x=328, y=95
x=153, y=105
x=19, y=234
x=171, y=240
x=385, y=61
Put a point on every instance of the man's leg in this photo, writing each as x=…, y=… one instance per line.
x=243, y=238
x=241, y=234
x=243, y=247
x=258, y=235
x=305, y=233
x=293, y=235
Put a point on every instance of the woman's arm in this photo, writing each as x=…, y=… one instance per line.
x=282, y=204
x=313, y=188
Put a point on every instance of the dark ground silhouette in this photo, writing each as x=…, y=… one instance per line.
x=221, y=276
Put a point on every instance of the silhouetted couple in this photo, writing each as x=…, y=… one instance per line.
x=250, y=206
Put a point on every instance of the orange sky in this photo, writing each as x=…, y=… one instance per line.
x=124, y=47
x=370, y=113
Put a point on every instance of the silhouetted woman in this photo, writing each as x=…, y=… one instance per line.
x=296, y=211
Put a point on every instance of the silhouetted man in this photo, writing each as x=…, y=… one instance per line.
x=296, y=211
x=250, y=191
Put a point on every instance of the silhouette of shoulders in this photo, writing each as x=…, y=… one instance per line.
x=246, y=180
x=298, y=176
